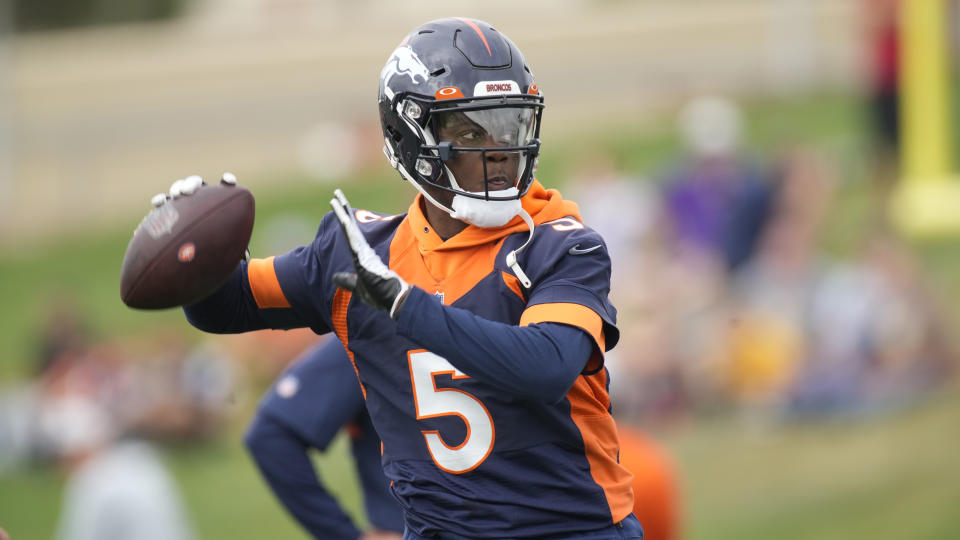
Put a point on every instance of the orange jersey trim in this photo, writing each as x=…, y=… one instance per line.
x=264, y=284
x=513, y=283
x=572, y=314
x=338, y=312
x=589, y=404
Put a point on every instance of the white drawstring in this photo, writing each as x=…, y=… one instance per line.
x=512, y=256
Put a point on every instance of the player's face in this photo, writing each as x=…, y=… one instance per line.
x=493, y=129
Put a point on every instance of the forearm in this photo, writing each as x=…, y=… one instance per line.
x=232, y=309
x=539, y=362
x=284, y=462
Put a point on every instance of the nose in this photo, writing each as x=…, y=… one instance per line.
x=497, y=157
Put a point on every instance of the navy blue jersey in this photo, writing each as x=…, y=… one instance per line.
x=315, y=398
x=464, y=454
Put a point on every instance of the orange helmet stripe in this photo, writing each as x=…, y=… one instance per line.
x=477, y=30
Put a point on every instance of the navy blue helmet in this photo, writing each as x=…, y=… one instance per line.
x=459, y=74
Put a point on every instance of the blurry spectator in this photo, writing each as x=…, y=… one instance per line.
x=883, y=85
x=118, y=487
x=62, y=332
x=811, y=335
x=181, y=392
x=877, y=339
x=310, y=403
x=716, y=199
x=771, y=292
x=625, y=210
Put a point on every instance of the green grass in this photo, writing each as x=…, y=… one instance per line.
x=884, y=479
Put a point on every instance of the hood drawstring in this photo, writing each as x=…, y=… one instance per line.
x=512, y=256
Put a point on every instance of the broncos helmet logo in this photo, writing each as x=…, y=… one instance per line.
x=404, y=61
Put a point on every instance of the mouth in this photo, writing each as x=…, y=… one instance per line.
x=497, y=183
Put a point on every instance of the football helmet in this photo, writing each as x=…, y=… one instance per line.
x=456, y=90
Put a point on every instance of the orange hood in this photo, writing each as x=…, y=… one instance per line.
x=542, y=204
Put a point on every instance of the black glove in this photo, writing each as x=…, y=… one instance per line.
x=374, y=283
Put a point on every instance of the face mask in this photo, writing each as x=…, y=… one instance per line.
x=486, y=214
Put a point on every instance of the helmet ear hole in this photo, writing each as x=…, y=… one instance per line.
x=394, y=134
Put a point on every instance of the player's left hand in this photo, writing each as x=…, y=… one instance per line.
x=374, y=283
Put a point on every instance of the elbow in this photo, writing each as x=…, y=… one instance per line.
x=202, y=320
x=552, y=389
x=255, y=437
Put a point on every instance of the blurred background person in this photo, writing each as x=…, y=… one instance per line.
x=315, y=399
x=818, y=334
x=118, y=485
x=717, y=196
x=883, y=89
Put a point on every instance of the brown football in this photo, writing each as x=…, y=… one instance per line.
x=187, y=247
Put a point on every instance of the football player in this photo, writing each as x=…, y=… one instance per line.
x=306, y=408
x=477, y=321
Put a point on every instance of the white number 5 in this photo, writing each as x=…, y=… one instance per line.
x=432, y=402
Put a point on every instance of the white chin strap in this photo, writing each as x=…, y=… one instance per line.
x=487, y=213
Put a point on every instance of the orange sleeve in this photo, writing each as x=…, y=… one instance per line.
x=264, y=284
x=572, y=314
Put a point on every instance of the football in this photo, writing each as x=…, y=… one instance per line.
x=187, y=247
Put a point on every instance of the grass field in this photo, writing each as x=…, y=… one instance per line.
x=886, y=479
x=891, y=477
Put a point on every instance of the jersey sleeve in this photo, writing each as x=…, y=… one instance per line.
x=293, y=290
x=572, y=287
x=300, y=281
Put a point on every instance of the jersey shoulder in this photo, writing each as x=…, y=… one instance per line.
x=556, y=240
x=376, y=228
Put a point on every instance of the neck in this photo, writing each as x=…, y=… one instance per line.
x=444, y=225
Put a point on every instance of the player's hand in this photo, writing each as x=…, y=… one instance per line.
x=187, y=186
x=374, y=283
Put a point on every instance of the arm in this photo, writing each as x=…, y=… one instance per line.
x=230, y=309
x=252, y=298
x=539, y=362
x=281, y=455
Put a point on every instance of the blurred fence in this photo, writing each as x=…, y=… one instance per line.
x=93, y=122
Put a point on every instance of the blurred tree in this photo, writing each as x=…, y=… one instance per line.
x=56, y=14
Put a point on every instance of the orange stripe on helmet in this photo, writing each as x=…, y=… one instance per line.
x=476, y=29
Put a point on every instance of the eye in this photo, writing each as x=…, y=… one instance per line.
x=470, y=135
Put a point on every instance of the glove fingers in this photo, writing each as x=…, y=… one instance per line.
x=346, y=280
x=358, y=244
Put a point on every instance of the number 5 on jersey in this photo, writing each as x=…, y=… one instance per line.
x=432, y=402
